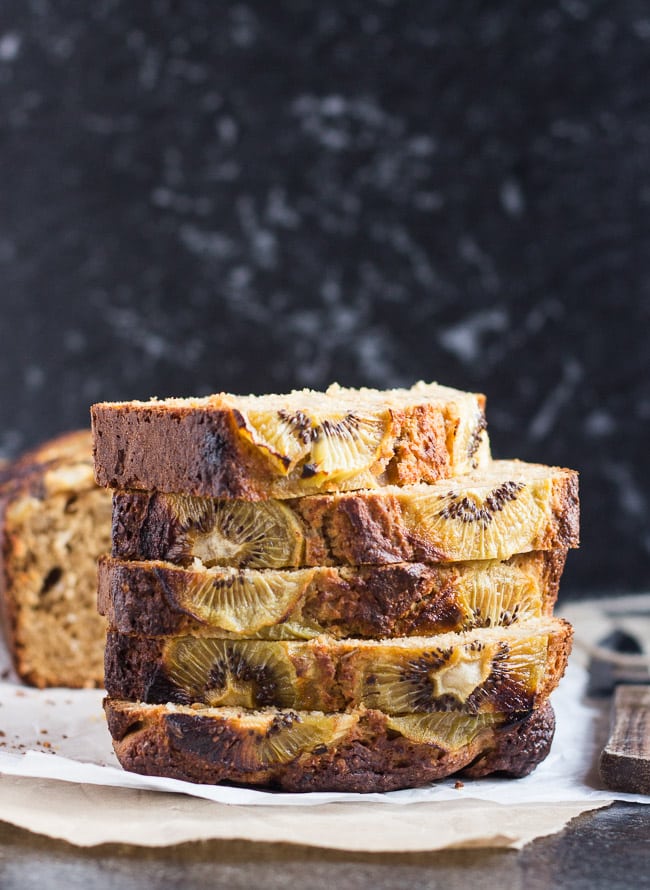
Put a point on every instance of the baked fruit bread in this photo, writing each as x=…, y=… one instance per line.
x=328, y=591
x=510, y=507
x=403, y=599
x=361, y=750
x=486, y=670
x=255, y=447
x=54, y=523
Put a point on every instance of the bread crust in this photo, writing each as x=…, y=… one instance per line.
x=371, y=756
x=405, y=599
x=205, y=448
x=51, y=477
x=467, y=673
x=366, y=527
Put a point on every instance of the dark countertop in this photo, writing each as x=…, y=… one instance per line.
x=605, y=850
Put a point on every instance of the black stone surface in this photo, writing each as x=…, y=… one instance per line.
x=199, y=196
x=604, y=850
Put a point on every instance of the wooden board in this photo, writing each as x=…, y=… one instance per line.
x=625, y=761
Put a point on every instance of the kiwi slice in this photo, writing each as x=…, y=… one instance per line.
x=286, y=735
x=244, y=602
x=522, y=662
x=467, y=440
x=285, y=436
x=499, y=596
x=448, y=731
x=255, y=534
x=435, y=680
x=345, y=446
x=244, y=673
x=333, y=447
x=480, y=522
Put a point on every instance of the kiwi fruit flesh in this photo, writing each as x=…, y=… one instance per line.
x=332, y=447
x=499, y=595
x=246, y=673
x=290, y=734
x=463, y=677
x=263, y=534
x=244, y=602
x=446, y=730
x=486, y=516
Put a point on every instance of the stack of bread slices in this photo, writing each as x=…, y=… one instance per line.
x=328, y=591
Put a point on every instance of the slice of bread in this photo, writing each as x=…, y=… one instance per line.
x=405, y=599
x=54, y=523
x=486, y=670
x=256, y=447
x=363, y=750
x=510, y=507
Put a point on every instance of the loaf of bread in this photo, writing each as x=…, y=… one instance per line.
x=503, y=669
x=403, y=599
x=362, y=750
x=328, y=591
x=256, y=447
x=510, y=507
x=54, y=523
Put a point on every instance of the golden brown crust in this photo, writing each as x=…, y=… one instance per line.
x=441, y=522
x=480, y=671
x=54, y=523
x=369, y=755
x=205, y=448
x=405, y=599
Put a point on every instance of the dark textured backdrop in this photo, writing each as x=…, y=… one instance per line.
x=254, y=196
